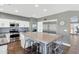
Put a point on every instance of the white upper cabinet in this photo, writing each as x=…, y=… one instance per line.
x=4, y=24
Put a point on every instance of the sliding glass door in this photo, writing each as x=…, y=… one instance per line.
x=74, y=25
x=74, y=28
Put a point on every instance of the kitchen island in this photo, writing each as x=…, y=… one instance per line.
x=44, y=39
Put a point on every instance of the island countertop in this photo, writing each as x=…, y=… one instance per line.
x=43, y=37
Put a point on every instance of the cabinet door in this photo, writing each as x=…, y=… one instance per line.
x=4, y=24
x=8, y=37
x=3, y=49
x=22, y=40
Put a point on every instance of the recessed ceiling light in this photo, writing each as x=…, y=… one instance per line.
x=16, y=11
x=45, y=10
x=36, y=5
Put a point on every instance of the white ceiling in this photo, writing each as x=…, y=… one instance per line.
x=29, y=10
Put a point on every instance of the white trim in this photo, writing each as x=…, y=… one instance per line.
x=66, y=44
x=49, y=20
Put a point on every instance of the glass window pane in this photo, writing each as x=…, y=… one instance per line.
x=74, y=19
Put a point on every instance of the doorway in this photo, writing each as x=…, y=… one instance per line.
x=74, y=25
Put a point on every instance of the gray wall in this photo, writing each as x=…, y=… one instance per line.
x=33, y=21
x=14, y=17
x=60, y=17
x=64, y=16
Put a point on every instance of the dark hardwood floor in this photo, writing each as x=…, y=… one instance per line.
x=74, y=49
x=15, y=48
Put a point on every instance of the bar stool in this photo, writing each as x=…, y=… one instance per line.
x=60, y=45
x=51, y=48
x=35, y=48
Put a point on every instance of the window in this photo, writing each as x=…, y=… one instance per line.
x=74, y=19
